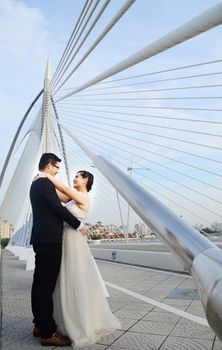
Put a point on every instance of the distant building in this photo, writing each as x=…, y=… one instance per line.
x=113, y=232
x=6, y=229
x=142, y=230
x=216, y=227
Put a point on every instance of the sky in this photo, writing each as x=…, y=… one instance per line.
x=33, y=30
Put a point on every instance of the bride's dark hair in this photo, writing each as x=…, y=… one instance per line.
x=89, y=176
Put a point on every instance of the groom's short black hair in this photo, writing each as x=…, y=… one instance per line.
x=48, y=158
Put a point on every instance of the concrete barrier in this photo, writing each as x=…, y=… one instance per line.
x=30, y=264
x=24, y=253
x=17, y=250
x=158, y=260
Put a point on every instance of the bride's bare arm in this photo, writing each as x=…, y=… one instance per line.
x=80, y=198
x=63, y=198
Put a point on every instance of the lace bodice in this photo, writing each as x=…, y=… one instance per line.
x=76, y=211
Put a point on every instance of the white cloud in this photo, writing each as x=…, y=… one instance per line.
x=22, y=28
x=24, y=43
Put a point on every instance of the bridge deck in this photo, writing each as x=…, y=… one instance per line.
x=158, y=310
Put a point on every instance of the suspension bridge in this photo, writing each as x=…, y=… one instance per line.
x=152, y=138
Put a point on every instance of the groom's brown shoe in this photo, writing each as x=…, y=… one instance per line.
x=37, y=333
x=56, y=339
x=62, y=336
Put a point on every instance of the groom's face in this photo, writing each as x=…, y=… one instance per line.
x=54, y=169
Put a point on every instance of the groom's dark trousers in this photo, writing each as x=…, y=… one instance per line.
x=46, y=238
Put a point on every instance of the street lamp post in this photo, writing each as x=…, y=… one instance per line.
x=131, y=168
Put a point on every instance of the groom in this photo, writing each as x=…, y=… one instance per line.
x=46, y=238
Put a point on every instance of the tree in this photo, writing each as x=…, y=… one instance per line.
x=4, y=242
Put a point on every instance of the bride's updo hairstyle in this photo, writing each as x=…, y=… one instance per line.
x=89, y=176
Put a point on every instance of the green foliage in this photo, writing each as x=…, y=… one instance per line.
x=96, y=237
x=4, y=242
x=208, y=230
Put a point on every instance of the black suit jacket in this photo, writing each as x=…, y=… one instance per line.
x=48, y=213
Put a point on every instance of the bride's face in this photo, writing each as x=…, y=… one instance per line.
x=79, y=181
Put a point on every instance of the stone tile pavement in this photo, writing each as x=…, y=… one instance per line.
x=145, y=325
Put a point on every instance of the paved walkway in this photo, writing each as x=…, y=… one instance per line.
x=157, y=310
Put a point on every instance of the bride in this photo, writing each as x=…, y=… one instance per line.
x=80, y=307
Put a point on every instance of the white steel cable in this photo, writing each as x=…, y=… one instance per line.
x=72, y=37
x=147, y=107
x=74, y=45
x=110, y=25
x=200, y=24
x=161, y=136
x=95, y=88
x=101, y=149
x=67, y=107
x=160, y=72
x=147, y=159
x=84, y=93
x=191, y=212
x=145, y=124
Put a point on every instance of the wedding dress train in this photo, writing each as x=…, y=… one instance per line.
x=80, y=307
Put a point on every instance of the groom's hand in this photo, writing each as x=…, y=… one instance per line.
x=84, y=230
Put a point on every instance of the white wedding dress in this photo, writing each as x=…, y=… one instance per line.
x=81, y=310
